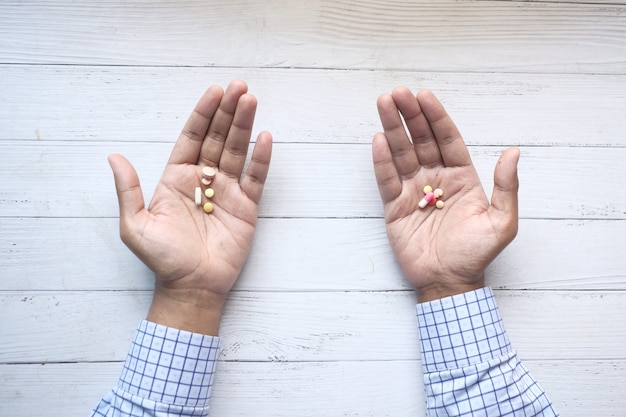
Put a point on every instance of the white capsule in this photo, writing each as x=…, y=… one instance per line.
x=198, y=196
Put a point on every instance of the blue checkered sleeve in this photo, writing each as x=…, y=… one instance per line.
x=469, y=366
x=167, y=372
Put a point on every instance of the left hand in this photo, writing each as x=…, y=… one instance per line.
x=197, y=257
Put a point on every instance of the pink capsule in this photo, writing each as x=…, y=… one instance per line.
x=427, y=199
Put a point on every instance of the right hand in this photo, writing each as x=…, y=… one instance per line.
x=442, y=252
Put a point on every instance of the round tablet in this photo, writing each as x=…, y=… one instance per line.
x=208, y=207
x=208, y=172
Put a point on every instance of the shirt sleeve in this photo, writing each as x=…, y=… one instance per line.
x=469, y=366
x=167, y=372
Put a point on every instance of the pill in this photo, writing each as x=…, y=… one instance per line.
x=427, y=189
x=198, y=196
x=440, y=204
x=208, y=207
x=432, y=202
x=438, y=192
x=208, y=172
x=206, y=181
x=209, y=192
x=427, y=199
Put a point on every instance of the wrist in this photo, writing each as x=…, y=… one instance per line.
x=193, y=310
x=438, y=290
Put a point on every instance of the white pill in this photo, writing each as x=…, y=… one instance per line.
x=208, y=172
x=198, y=196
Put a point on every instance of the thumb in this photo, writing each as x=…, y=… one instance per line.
x=128, y=189
x=506, y=185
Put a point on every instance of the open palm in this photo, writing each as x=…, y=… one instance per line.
x=185, y=247
x=442, y=252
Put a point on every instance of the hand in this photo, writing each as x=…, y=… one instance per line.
x=445, y=251
x=197, y=257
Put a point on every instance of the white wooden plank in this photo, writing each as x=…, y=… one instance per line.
x=306, y=255
x=390, y=388
x=305, y=326
x=416, y=34
x=621, y=2
x=113, y=104
x=66, y=179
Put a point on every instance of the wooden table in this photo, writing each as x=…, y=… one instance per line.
x=321, y=322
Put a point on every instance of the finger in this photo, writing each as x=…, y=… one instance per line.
x=451, y=146
x=219, y=127
x=422, y=136
x=256, y=174
x=187, y=147
x=387, y=178
x=238, y=140
x=129, y=195
x=402, y=150
x=506, y=185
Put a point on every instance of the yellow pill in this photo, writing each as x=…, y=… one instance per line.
x=209, y=192
x=428, y=189
x=440, y=204
x=208, y=172
x=438, y=192
x=208, y=207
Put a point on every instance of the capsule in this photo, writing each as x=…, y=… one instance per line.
x=427, y=199
x=198, y=196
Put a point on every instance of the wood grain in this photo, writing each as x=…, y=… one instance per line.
x=113, y=104
x=411, y=35
x=260, y=326
x=280, y=389
x=306, y=255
